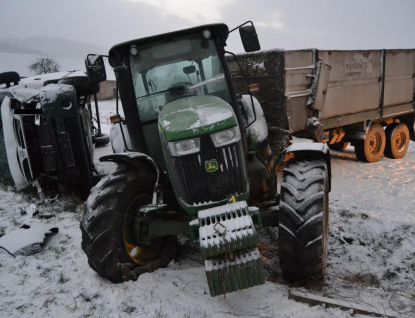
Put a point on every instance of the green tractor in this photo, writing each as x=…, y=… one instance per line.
x=196, y=162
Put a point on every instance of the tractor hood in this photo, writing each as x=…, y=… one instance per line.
x=194, y=116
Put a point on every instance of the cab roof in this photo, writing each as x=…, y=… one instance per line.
x=217, y=29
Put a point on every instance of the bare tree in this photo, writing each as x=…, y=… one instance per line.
x=44, y=65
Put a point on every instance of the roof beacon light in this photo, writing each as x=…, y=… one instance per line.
x=206, y=33
x=133, y=50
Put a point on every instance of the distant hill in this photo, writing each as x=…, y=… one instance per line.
x=50, y=46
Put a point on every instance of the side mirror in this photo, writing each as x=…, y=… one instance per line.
x=189, y=69
x=249, y=38
x=95, y=68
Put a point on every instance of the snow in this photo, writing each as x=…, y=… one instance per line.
x=51, y=92
x=29, y=87
x=301, y=146
x=209, y=113
x=25, y=237
x=371, y=257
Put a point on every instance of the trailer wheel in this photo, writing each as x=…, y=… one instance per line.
x=371, y=148
x=397, y=141
x=108, y=222
x=303, y=225
x=338, y=146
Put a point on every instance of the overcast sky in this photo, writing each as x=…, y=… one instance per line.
x=285, y=24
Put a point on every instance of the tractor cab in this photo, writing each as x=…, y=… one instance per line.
x=181, y=110
x=160, y=74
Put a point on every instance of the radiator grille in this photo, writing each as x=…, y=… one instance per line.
x=197, y=186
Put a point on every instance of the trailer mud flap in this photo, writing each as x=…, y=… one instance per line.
x=228, y=242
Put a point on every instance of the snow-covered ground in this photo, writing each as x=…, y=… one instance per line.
x=371, y=258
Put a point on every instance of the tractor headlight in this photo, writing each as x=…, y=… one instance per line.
x=184, y=147
x=226, y=137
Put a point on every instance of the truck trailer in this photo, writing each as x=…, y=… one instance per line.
x=361, y=97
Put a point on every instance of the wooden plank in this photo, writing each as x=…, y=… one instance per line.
x=314, y=300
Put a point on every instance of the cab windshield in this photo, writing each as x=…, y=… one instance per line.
x=169, y=69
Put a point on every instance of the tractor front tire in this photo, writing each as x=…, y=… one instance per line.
x=304, y=215
x=108, y=224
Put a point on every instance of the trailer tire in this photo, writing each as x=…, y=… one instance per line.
x=303, y=224
x=371, y=148
x=338, y=146
x=107, y=225
x=397, y=141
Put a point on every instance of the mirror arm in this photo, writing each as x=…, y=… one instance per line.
x=241, y=26
x=97, y=113
x=247, y=81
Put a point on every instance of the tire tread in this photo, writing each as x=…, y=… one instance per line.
x=302, y=212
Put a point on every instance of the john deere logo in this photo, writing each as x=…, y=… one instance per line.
x=211, y=166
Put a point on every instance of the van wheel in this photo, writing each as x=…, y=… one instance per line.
x=397, y=141
x=371, y=148
x=101, y=140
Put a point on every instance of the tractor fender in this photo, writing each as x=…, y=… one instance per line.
x=132, y=159
x=310, y=151
x=137, y=160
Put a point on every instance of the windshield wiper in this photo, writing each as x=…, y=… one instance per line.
x=211, y=80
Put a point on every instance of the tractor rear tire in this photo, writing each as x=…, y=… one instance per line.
x=371, y=148
x=397, y=141
x=304, y=216
x=108, y=223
